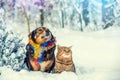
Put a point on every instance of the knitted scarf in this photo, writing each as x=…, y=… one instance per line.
x=37, y=48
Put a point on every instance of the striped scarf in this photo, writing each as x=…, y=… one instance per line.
x=37, y=48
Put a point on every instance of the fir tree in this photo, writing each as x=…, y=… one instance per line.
x=12, y=49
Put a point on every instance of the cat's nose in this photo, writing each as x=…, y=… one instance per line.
x=67, y=51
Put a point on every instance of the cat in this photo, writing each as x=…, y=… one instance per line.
x=64, y=60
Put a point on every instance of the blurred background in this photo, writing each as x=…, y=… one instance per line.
x=82, y=15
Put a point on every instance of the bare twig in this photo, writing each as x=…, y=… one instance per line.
x=27, y=19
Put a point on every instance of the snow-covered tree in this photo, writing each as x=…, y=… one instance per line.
x=108, y=13
x=85, y=12
x=12, y=49
x=72, y=14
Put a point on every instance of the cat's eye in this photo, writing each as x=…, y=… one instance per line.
x=67, y=50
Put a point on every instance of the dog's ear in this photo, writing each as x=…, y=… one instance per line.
x=39, y=30
x=32, y=35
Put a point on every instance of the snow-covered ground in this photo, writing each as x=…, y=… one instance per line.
x=95, y=55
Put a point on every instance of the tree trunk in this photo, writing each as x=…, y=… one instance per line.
x=85, y=12
x=80, y=20
x=42, y=17
x=62, y=18
x=27, y=19
x=62, y=13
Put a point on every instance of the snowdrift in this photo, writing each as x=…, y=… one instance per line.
x=95, y=54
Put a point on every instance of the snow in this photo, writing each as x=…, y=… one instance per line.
x=95, y=55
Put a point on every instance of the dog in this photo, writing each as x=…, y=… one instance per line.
x=40, y=50
x=64, y=60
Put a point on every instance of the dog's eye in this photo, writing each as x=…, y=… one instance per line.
x=42, y=37
x=40, y=30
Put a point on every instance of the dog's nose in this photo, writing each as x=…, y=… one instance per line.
x=47, y=35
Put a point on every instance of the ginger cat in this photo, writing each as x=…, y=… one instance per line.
x=64, y=60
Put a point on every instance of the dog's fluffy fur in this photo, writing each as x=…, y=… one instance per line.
x=48, y=62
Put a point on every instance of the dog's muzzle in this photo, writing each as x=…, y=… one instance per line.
x=48, y=35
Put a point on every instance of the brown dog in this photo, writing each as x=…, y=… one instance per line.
x=64, y=60
x=40, y=50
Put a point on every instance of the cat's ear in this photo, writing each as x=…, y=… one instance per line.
x=70, y=47
x=59, y=46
